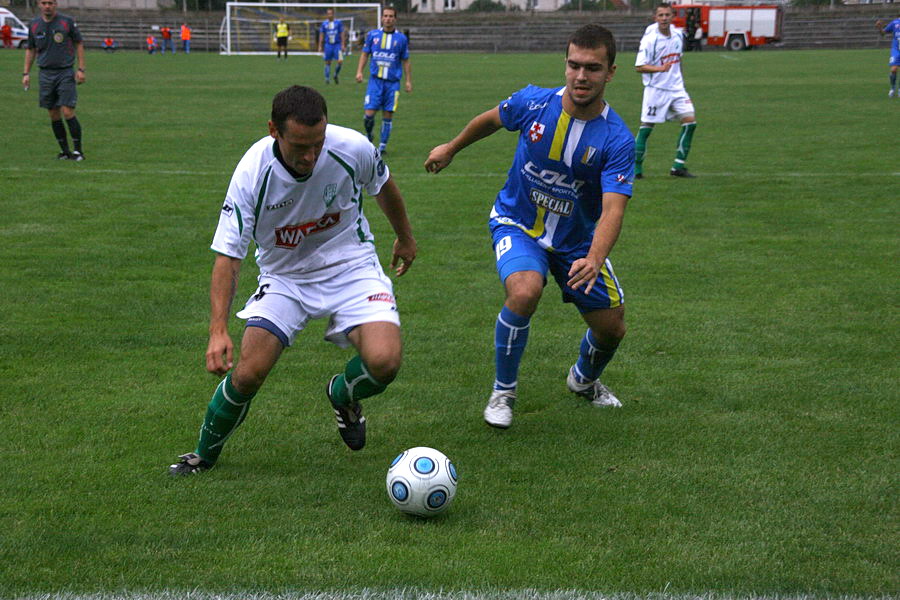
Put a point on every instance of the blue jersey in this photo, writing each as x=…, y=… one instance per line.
x=388, y=51
x=561, y=169
x=894, y=28
x=332, y=32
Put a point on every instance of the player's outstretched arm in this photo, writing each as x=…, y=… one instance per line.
x=391, y=203
x=220, y=350
x=478, y=128
x=584, y=271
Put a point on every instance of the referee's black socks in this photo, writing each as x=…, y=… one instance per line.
x=75, y=132
x=59, y=132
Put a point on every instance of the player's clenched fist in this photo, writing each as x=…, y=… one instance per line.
x=439, y=158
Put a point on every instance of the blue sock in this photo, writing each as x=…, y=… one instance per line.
x=327, y=72
x=337, y=70
x=510, y=337
x=369, y=124
x=592, y=359
x=893, y=80
x=385, y=130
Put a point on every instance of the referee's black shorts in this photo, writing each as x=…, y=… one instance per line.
x=57, y=88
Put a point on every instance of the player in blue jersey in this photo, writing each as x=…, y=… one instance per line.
x=892, y=28
x=560, y=211
x=390, y=60
x=332, y=44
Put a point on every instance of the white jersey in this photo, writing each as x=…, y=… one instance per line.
x=657, y=49
x=310, y=229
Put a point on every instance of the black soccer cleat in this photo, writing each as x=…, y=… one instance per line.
x=682, y=173
x=336, y=80
x=189, y=464
x=76, y=156
x=350, y=421
x=63, y=156
x=638, y=176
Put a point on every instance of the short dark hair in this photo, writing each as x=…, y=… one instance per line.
x=662, y=5
x=389, y=7
x=594, y=35
x=303, y=104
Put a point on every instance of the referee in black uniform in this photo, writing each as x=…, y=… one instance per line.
x=56, y=41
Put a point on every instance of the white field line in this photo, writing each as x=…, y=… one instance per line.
x=401, y=175
x=413, y=594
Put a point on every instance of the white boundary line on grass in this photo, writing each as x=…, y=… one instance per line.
x=740, y=175
x=411, y=594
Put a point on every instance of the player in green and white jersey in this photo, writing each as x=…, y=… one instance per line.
x=299, y=198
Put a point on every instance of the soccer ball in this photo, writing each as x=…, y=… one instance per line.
x=421, y=481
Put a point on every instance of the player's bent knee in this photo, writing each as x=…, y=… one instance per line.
x=384, y=365
x=246, y=380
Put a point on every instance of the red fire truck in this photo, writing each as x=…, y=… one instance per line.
x=734, y=27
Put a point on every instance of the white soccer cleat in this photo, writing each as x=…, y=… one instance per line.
x=596, y=393
x=891, y=93
x=498, y=412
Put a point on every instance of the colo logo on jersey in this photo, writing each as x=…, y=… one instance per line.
x=329, y=194
x=536, y=132
x=292, y=236
x=554, y=205
x=553, y=178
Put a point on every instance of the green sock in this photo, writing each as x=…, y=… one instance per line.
x=684, y=145
x=226, y=411
x=355, y=383
x=640, y=148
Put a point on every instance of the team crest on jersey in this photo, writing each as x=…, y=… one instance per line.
x=536, y=132
x=227, y=209
x=588, y=157
x=329, y=194
x=58, y=37
x=292, y=236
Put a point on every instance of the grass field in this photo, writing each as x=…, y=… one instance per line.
x=756, y=454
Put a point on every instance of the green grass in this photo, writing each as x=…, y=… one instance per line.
x=756, y=454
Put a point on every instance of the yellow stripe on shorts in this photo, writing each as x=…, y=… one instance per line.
x=612, y=290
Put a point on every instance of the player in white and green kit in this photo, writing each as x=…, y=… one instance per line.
x=299, y=198
x=665, y=99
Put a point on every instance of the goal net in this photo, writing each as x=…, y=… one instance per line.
x=249, y=27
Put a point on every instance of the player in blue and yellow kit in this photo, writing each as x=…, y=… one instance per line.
x=892, y=28
x=560, y=211
x=390, y=59
x=332, y=44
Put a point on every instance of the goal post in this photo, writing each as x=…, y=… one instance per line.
x=249, y=27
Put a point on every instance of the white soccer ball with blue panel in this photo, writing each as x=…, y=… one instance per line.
x=421, y=481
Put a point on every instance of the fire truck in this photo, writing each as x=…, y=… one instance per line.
x=734, y=27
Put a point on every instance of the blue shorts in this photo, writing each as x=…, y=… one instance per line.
x=517, y=251
x=895, y=59
x=382, y=94
x=333, y=52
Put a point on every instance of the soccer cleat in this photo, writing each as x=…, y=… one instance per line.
x=335, y=80
x=682, y=172
x=76, y=156
x=350, y=421
x=189, y=464
x=595, y=392
x=327, y=81
x=638, y=176
x=891, y=93
x=499, y=409
x=63, y=156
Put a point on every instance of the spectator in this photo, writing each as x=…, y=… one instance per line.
x=6, y=35
x=152, y=46
x=109, y=44
x=186, y=38
x=165, y=35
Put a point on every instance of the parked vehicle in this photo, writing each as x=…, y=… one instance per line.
x=19, y=30
x=734, y=27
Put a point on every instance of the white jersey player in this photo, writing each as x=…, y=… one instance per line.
x=665, y=99
x=298, y=195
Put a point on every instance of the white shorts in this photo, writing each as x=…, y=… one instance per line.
x=660, y=106
x=364, y=294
